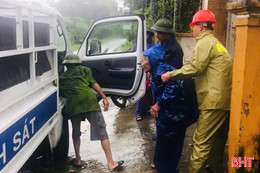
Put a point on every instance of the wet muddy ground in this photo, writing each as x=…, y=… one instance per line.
x=130, y=140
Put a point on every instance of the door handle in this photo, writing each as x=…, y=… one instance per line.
x=108, y=63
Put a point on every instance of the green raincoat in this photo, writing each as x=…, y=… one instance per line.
x=211, y=65
x=75, y=87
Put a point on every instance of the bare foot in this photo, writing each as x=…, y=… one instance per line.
x=115, y=166
x=112, y=166
x=77, y=163
x=153, y=166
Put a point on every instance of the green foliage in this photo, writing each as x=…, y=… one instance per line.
x=77, y=28
x=75, y=47
x=184, y=11
x=169, y=10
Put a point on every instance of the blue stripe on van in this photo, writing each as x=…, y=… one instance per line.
x=13, y=139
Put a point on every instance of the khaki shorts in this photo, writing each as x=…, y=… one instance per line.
x=97, y=125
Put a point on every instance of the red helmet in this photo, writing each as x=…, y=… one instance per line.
x=203, y=16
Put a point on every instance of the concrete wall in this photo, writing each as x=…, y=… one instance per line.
x=187, y=42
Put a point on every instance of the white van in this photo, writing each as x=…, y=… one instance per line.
x=33, y=43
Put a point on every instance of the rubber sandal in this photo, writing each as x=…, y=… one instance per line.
x=139, y=118
x=73, y=162
x=118, y=167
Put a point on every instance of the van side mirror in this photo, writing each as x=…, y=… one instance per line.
x=95, y=47
x=59, y=30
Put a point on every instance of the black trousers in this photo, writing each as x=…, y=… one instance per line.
x=168, y=152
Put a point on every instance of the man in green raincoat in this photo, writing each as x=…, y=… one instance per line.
x=211, y=65
x=76, y=87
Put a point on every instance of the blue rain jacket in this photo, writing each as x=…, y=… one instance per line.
x=174, y=110
x=173, y=53
x=170, y=97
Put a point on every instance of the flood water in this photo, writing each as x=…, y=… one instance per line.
x=130, y=141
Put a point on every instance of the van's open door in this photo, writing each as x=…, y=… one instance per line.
x=113, y=49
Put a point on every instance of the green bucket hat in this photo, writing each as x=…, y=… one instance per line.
x=71, y=59
x=163, y=25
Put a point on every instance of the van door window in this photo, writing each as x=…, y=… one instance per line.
x=42, y=63
x=61, y=47
x=113, y=37
x=7, y=33
x=14, y=70
x=61, y=43
x=41, y=34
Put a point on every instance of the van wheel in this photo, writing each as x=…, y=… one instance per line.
x=119, y=101
x=60, y=152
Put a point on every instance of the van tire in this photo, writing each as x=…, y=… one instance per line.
x=60, y=152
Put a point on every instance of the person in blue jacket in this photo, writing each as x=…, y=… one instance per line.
x=149, y=38
x=170, y=110
x=173, y=51
x=166, y=37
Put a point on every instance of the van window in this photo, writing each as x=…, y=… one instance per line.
x=116, y=37
x=25, y=34
x=14, y=70
x=7, y=33
x=41, y=34
x=42, y=65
